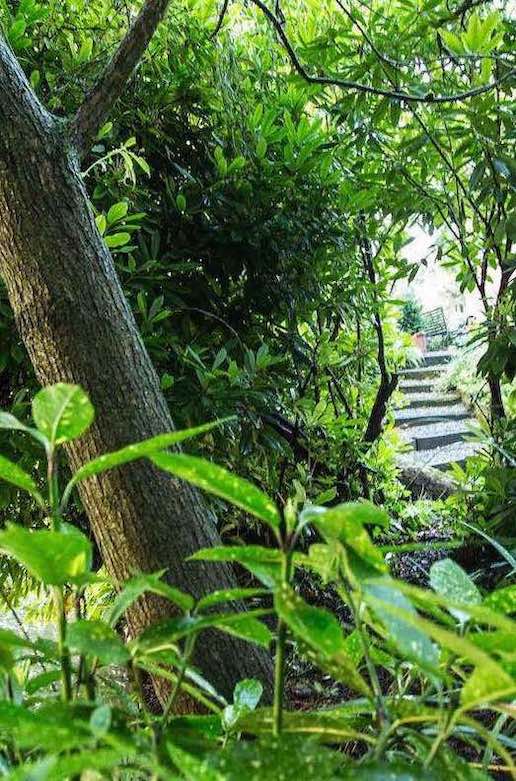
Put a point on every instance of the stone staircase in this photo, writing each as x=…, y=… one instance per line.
x=436, y=426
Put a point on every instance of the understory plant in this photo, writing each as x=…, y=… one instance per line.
x=429, y=674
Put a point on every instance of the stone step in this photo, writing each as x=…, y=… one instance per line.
x=432, y=399
x=416, y=386
x=437, y=358
x=418, y=416
x=440, y=457
x=433, y=435
x=420, y=373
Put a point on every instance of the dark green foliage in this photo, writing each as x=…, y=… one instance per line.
x=411, y=319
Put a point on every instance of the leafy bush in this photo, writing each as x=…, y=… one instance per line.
x=411, y=319
x=426, y=671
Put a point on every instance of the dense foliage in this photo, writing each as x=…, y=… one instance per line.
x=260, y=212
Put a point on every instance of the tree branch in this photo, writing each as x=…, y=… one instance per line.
x=97, y=105
x=220, y=20
x=334, y=81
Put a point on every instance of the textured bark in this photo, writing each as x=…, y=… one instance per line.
x=77, y=327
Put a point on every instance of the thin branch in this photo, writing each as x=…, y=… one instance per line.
x=220, y=20
x=331, y=81
x=97, y=105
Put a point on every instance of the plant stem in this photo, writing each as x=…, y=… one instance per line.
x=66, y=669
x=279, y=662
x=189, y=646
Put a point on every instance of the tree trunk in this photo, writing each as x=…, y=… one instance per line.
x=77, y=327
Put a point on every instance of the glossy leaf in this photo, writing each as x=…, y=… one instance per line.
x=14, y=474
x=450, y=580
x=98, y=640
x=141, y=584
x=412, y=642
x=320, y=637
x=133, y=452
x=54, y=557
x=62, y=412
x=263, y=563
x=219, y=481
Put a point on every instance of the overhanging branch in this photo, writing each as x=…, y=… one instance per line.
x=334, y=81
x=97, y=105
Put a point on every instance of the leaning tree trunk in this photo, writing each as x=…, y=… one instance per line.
x=77, y=327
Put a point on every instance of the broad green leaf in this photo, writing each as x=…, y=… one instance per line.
x=246, y=697
x=12, y=473
x=497, y=642
x=141, y=584
x=248, y=693
x=51, y=726
x=459, y=645
x=96, y=639
x=62, y=412
x=100, y=720
x=450, y=580
x=412, y=642
x=79, y=765
x=263, y=563
x=220, y=482
x=290, y=759
x=486, y=684
x=54, y=557
x=345, y=523
x=166, y=634
x=42, y=681
x=117, y=239
x=320, y=637
x=229, y=595
x=139, y=450
x=502, y=599
x=117, y=212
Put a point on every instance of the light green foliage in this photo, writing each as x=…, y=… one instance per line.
x=61, y=723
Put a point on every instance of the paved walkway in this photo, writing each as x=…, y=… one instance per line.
x=436, y=425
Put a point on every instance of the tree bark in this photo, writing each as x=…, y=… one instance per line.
x=77, y=326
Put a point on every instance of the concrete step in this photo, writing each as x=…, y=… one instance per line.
x=440, y=457
x=431, y=399
x=433, y=435
x=420, y=373
x=437, y=358
x=405, y=418
x=416, y=386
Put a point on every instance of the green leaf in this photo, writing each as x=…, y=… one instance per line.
x=450, y=580
x=62, y=412
x=100, y=720
x=410, y=640
x=220, y=482
x=246, y=697
x=502, y=600
x=54, y=557
x=141, y=584
x=132, y=452
x=117, y=212
x=263, y=563
x=12, y=473
x=96, y=639
x=229, y=595
x=10, y=422
x=166, y=634
x=181, y=202
x=345, y=523
x=51, y=726
x=117, y=239
x=320, y=637
x=42, y=681
x=486, y=684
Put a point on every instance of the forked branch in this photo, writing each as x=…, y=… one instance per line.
x=335, y=81
x=98, y=103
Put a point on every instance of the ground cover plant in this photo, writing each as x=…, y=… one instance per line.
x=423, y=666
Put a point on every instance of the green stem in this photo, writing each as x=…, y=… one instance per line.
x=189, y=647
x=64, y=655
x=279, y=662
